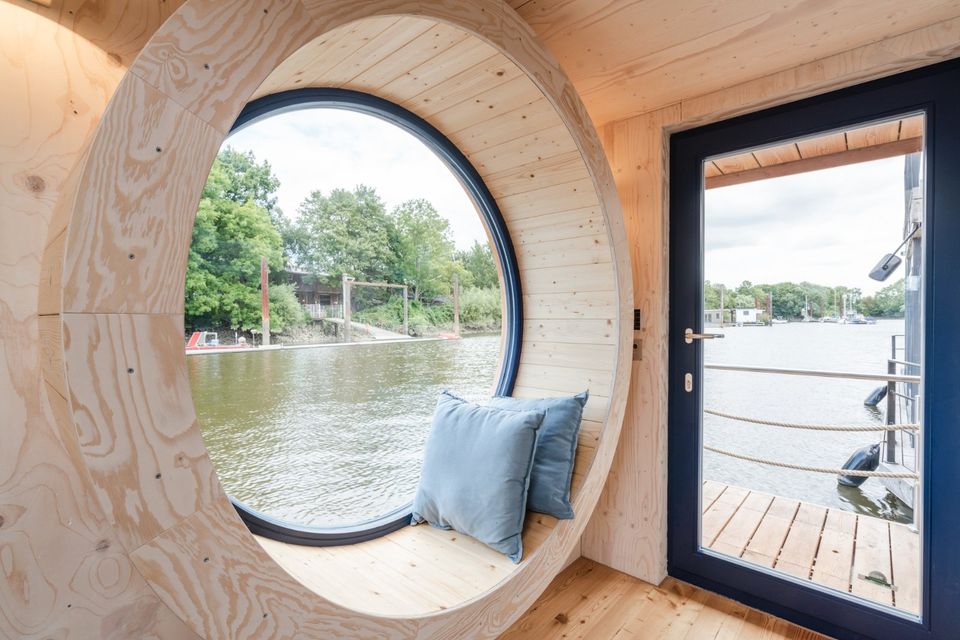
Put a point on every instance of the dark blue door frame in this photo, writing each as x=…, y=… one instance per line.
x=935, y=91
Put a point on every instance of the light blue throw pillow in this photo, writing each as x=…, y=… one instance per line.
x=476, y=472
x=556, y=450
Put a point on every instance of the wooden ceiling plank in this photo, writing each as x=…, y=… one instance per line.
x=736, y=163
x=911, y=127
x=385, y=45
x=454, y=60
x=479, y=79
x=487, y=105
x=822, y=145
x=777, y=155
x=816, y=163
x=698, y=47
x=873, y=135
x=420, y=50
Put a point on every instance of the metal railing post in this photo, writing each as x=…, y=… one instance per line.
x=891, y=411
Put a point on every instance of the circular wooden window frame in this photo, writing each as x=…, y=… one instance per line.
x=264, y=524
x=112, y=291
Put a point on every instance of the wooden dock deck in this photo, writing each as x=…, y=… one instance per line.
x=831, y=547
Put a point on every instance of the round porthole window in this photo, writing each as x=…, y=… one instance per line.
x=347, y=265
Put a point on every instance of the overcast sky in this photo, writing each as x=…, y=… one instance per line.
x=327, y=149
x=828, y=227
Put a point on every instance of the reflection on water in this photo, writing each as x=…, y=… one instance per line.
x=855, y=348
x=331, y=435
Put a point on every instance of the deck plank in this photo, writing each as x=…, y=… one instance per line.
x=800, y=547
x=764, y=547
x=716, y=517
x=835, y=557
x=871, y=553
x=735, y=536
x=905, y=553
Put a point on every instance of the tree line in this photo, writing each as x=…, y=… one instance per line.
x=790, y=299
x=344, y=231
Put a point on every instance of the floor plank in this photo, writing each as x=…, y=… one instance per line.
x=589, y=601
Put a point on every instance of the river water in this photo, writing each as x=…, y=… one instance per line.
x=331, y=435
x=334, y=435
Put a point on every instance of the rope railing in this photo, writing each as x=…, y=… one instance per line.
x=800, y=467
x=814, y=427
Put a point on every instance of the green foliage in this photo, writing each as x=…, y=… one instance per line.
x=424, y=248
x=789, y=299
x=480, y=308
x=479, y=265
x=889, y=302
x=345, y=232
x=233, y=229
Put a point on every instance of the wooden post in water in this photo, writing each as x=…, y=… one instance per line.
x=345, y=293
x=456, y=305
x=406, y=312
x=264, y=302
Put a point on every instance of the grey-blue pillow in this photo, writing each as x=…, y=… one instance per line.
x=556, y=450
x=476, y=471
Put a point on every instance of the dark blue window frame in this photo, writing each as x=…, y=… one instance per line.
x=265, y=525
x=934, y=91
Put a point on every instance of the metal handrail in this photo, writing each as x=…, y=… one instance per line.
x=877, y=377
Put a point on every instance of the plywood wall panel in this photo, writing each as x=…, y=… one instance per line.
x=180, y=61
x=66, y=575
x=141, y=441
x=629, y=528
x=118, y=271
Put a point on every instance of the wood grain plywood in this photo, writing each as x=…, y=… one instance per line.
x=181, y=60
x=66, y=575
x=645, y=56
x=135, y=420
x=116, y=266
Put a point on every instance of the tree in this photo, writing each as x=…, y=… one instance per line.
x=424, y=248
x=345, y=232
x=233, y=230
x=478, y=262
x=886, y=303
x=243, y=179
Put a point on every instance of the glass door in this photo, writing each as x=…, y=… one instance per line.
x=801, y=467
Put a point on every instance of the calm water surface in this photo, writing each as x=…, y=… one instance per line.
x=335, y=435
x=854, y=348
x=331, y=435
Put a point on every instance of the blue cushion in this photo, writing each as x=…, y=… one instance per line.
x=556, y=450
x=476, y=471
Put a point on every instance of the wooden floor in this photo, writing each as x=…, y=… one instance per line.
x=830, y=547
x=589, y=601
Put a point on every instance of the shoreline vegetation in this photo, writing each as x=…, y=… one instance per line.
x=791, y=300
x=344, y=232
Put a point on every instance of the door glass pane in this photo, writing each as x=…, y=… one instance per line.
x=813, y=265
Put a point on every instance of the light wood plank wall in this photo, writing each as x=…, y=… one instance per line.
x=629, y=530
